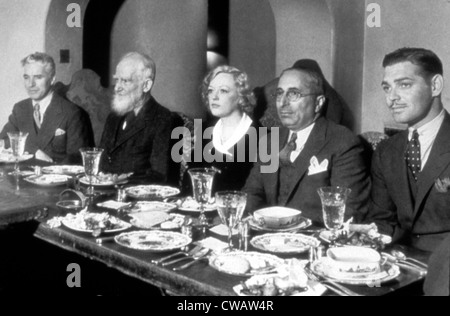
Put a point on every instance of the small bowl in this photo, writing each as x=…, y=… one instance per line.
x=70, y=205
x=354, y=260
x=277, y=217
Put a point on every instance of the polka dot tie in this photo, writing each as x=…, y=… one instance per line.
x=285, y=153
x=412, y=155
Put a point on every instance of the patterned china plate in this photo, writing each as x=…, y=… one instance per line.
x=9, y=158
x=65, y=169
x=153, y=240
x=48, y=180
x=305, y=223
x=324, y=267
x=258, y=263
x=99, y=182
x=284, y=243
x=86, y=222
x=191, y=205
x=151, y=191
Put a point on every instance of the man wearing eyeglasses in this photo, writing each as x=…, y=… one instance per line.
x=314, y=153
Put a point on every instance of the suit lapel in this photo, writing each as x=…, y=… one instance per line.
x=143, y=119
x=437, y=162
x=52, y=119
x=398, y=170
x=315, y=142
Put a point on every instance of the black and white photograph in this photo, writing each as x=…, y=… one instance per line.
x=243, y=149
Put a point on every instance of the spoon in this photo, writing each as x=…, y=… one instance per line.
x=198, y=256
x=401, y=256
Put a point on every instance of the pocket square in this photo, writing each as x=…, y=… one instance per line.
x=442, y=185
x=60, y=132
x=316, y=167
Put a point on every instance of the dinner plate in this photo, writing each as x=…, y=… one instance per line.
x=311, y=289
x=325, y=235
x=63, y=169
x=99, y=182
x=86, y=222
x=150, y=206
x=151, y=191
x=284, y=243
x=191, y=205
x=48, y=180
x=259, y=263
x=9, y=158
x=305, y=223
x=324, y=268
x=153, y=240
x=174, y=222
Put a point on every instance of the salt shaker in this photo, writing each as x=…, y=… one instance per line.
x=121, y=195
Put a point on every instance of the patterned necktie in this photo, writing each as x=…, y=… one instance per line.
x=285, y=153
x=37, y=115
x=412, y=155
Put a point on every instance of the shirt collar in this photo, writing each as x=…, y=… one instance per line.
x=44, y=103
x=430, y=129
x=302, y=136
x=240, y=131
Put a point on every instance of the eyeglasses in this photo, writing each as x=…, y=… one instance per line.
x=291, y=95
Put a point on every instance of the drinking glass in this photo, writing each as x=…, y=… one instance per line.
x=333, y=207
x=202, y=179
x=230, y=206
x=91, y=162
x=17, y=141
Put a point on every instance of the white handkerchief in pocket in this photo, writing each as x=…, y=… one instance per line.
x=60, y=132
x=315, y=167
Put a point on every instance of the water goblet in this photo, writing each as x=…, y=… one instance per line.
x=333, y=200
x=202, y=179
x=231, y=206
x=17, y=141
x=91, y=163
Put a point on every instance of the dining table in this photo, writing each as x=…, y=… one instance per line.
x=22, y=201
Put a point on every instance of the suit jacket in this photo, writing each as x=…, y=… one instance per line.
x=437, y=281
x=144, y=148
x=64, y=130
x=234, y=170
x=427, y=221
x=327, y=140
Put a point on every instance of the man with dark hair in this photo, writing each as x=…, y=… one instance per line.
x=56, y=128
x=411, y=171
x=316, y=153
x=137, y=134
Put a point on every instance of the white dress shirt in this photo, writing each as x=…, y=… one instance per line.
x=239, y=132
x=302, y=138
x=43, y=104
x=427, y=136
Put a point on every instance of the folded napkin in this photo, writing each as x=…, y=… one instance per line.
x=222, y=230
x=113, y=204
x=213, y=243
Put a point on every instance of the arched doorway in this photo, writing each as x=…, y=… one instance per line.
x=98, y=22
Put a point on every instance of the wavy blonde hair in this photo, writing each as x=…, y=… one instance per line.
x=246, y=97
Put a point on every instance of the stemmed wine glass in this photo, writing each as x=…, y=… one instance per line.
x=202, y=179
x=91, y=162
x=333, y=207
x=17, y=141
x=231, y=206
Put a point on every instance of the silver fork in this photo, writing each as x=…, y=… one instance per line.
x=188, y=255
x=179, y=253
x=331, y=285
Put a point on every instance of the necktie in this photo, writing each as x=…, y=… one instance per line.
x=412, y=155
x=128, y=119
x=285, y=153
x=37, y=115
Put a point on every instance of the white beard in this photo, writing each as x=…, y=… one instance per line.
x=122, y=104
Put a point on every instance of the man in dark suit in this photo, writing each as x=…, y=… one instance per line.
x=411, y=170
x=56, y=128
x=322, y=153
x=137, y=134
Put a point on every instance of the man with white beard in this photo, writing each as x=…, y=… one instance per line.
x=136, y=137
